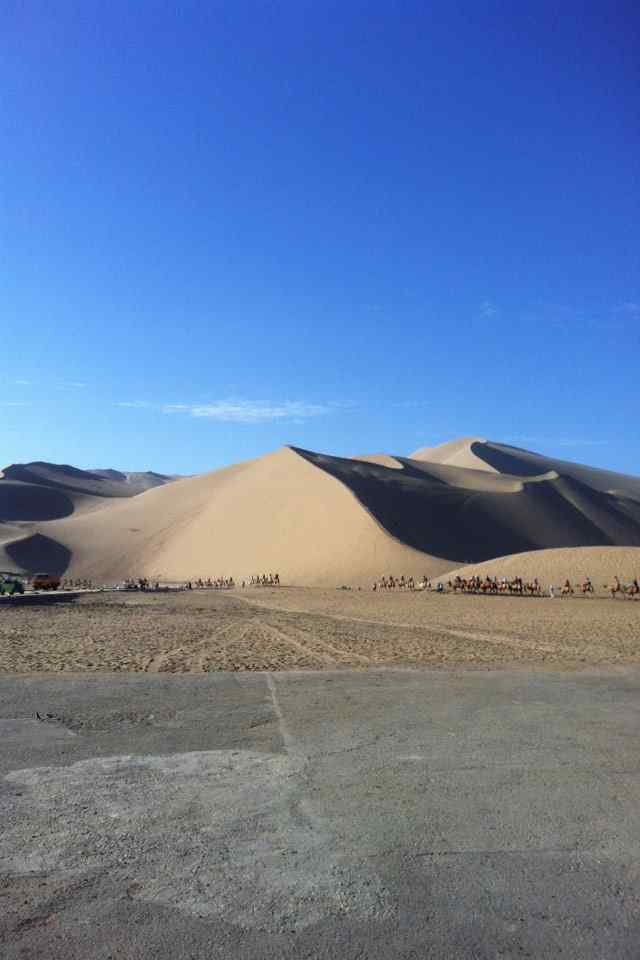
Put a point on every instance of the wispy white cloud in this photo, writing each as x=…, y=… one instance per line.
x=14, y=403
x=488, y=310
x=251, y=411
x=242, y=410
x=22, y=383
x=74, y=384
x=630, y=309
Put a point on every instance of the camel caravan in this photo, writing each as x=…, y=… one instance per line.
x=218, y=583
x=401, y=583
x=264, y=580
x=628, y=591
x=517, y=587
x=228, y=583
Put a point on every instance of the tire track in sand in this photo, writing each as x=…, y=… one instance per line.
x=196, y=657
x=300, y=647
x=341, y=655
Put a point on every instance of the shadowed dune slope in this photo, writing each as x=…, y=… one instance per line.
x=383, y=459
x=501, y=458
x=555, y=566
x=30, y=501
x=470, y=516
x=323, y=520
x=94, y=483
x=135, y=481
x=36, y=554
x=32, y=493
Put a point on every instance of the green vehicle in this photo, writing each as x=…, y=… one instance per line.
x=10, y=584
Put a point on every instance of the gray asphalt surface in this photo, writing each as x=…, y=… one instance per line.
x=410, y=814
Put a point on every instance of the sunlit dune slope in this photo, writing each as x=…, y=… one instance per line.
x=275, y=514
x=555, y=566
x=455, y=453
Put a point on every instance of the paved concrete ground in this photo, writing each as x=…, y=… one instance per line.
x=409, y=814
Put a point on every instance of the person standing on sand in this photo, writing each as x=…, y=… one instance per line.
x=552, y=591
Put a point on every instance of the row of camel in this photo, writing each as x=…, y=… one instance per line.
x=626, y=590
x=218, y=583
x=514, y=587
x=533, y=588
x=228, y=583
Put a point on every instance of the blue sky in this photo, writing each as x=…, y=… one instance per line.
x=347, y=226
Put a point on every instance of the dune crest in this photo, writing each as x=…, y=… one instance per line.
x=455, y=453
x=317, y=519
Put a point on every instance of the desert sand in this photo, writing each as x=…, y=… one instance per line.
x=320, y=520
x=309, y=628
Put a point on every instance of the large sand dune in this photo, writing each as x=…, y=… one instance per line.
x=323, y=520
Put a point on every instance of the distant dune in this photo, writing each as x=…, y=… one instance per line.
x=34, y=493
x=455, y=453
x=93, y=483
x=318, y=519
x=383, y=459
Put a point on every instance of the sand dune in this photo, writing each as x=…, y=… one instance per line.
x=278, y=513
x=93, y=483
x=135, y=481
x=479, y=454
x=455, y=453
x=323, y=520
x=555, y=566
x=42, y=491
x=472, y=516
x=34, y=493
x=383, y=459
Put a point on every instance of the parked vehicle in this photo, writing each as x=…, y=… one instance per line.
x=10, y=584
x=45, y=581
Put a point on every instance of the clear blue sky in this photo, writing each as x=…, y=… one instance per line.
x=349, y=226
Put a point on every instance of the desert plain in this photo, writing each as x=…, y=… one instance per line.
x=306, y=628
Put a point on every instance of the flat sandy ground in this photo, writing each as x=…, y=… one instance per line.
x=306, y=628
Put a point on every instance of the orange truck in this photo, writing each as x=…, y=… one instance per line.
x=45, y=581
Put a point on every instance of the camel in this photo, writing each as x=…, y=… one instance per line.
x=614, y=586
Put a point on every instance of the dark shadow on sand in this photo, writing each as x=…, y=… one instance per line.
x=39, y=554
x=27, y=501
x=470, y=526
